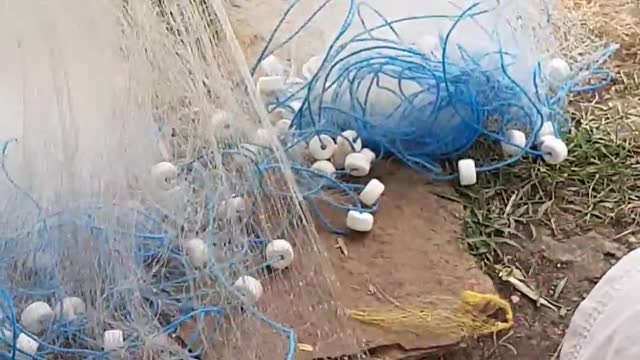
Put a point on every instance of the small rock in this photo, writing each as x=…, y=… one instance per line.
x=588, y=254
x=613, y=249
x=515, y=299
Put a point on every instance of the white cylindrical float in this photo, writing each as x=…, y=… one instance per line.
x=27, y=345
x=372, y=192
x=282, y=127
x=249, y=289
x=516, y=141
x=349, y=141
x=220, y=126
x=547, y=129
x=357, y=164
x=359, y=221
x=554, y=151
x=264, y=138
x=311, y=67
x=273, y=66
x=558, y=71
x=269, y=87
x=370, y=155
x=164, y=176
x=279, y=254
x=236, y=206
x=197, y=252
x=36, y=317
x=322, y=147
x=113, y=340
x=467, y=172
x=70, y=308
x=324, y=167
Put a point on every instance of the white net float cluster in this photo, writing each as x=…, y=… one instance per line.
x=326, y=163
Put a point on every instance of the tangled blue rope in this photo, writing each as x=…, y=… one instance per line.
x=428, y=106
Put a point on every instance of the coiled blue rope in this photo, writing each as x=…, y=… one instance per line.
x=428, y=107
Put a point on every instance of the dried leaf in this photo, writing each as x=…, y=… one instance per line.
x=558, y=290
x=305, y=347
x=342, y=246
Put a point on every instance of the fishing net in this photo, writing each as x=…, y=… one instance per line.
x=148, y=208
x=157, y=186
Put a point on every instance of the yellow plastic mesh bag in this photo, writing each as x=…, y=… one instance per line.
x=470, y=314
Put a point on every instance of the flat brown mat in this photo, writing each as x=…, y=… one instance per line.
x=412, y=252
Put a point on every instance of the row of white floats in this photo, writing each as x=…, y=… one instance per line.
x=346, y=152
x=363, y=221
x=37, y=316
x=554, y=151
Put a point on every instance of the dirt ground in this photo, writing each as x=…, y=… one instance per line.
x=538, y=331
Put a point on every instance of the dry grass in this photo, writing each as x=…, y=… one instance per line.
x=617, y=21
x=598, y=185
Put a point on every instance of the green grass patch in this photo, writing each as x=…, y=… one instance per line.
x=598, y=184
